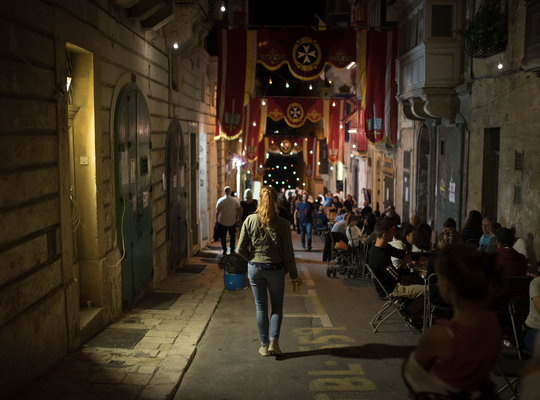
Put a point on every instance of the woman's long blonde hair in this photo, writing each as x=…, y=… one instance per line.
x=449, y=236
x=267, y=205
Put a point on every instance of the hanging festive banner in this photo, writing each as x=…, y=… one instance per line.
x=361, y=65
x=310, y=152
x=335, y=136
x=306, y=52
x=295, y=111
x=380, y=90
x=236, y=79
x=390, y=89
x=285, y=144
x=254, y=125
x=259, y=164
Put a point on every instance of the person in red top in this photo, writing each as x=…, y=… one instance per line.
x=456, y=356
x=514, y=263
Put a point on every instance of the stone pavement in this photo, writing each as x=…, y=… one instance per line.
x=145, y=353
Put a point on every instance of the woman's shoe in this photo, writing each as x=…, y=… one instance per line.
x=264, y=351
x=274, y=348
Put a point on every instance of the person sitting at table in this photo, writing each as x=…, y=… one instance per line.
x=321, y=216
x=456, y=356
x=336, y=204
x=447, y=237
x=492, y=245
x=524, y=247
x=349, y=203
x=514, y=264
x=340, y=215
x=472, y=229
x=404, y=240
x=353, y=233
x=328, y=201
x=423, y=239
x=366, y=208
x=341, y=226
x=380, y=261
x=532, y=323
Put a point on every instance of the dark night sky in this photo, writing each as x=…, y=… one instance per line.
x=285, y=12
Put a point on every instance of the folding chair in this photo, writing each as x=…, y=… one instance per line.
x=508, y=367
x=429, y=306
x=519, y=310
x=397, y=304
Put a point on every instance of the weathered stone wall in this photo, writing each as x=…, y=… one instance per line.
x=508, y=99
x=39, y=313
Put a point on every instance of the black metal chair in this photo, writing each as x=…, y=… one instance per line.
x=429, y=303
x=397, y=304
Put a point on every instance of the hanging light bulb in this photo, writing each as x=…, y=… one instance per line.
x=175, y=45
x=297, y=179
x=270, y=81
x=240, y=140
x=249, y=172
x=223, y=6
x=310, y=86
x=287, y=85
x=331, y=168
x=264, y=102
x=260, y=166
x=254, y=123
x=311, y=152
x=285, y=167
x=340, y=126
x=333, y=104
x=500, y=66
x=330, y=81
x=294, y=172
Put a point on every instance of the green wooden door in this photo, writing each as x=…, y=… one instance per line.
x=449, y=175
x=133, y=191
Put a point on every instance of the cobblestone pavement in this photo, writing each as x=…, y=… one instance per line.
x=145, y=353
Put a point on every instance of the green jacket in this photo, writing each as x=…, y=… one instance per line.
x=261, y=249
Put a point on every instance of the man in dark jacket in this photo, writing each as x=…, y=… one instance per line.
x=380, y=262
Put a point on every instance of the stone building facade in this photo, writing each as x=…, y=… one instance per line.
x=107, y=186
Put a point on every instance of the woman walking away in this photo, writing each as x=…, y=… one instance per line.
x=270, y=254
x=456, y=355
x=249, y=205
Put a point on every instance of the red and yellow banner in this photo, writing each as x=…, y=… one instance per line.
x=295, y=111
x=380, y=95
x=254, y=127
x=335, y=135
x=258, y=165
x=306, y=52
x=310, y=155
x=236, y=80
x=285, y=144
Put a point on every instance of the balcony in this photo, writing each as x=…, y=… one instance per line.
x=430, y=58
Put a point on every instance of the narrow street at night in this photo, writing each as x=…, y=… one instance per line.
x=161, y=161
x=329, y=348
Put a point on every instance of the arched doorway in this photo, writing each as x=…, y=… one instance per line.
x=176, y=195
x=133, y=191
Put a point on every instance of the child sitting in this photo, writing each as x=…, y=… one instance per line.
x=457, y=355
x=352, y=231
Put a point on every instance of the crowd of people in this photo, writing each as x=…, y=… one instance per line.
x=455, y=356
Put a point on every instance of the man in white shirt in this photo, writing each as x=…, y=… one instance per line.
x=228, y=211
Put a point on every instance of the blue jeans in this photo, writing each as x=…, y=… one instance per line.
x=305, y=228
x=274, y=281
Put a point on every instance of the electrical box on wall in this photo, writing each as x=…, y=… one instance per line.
x=84, y=160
